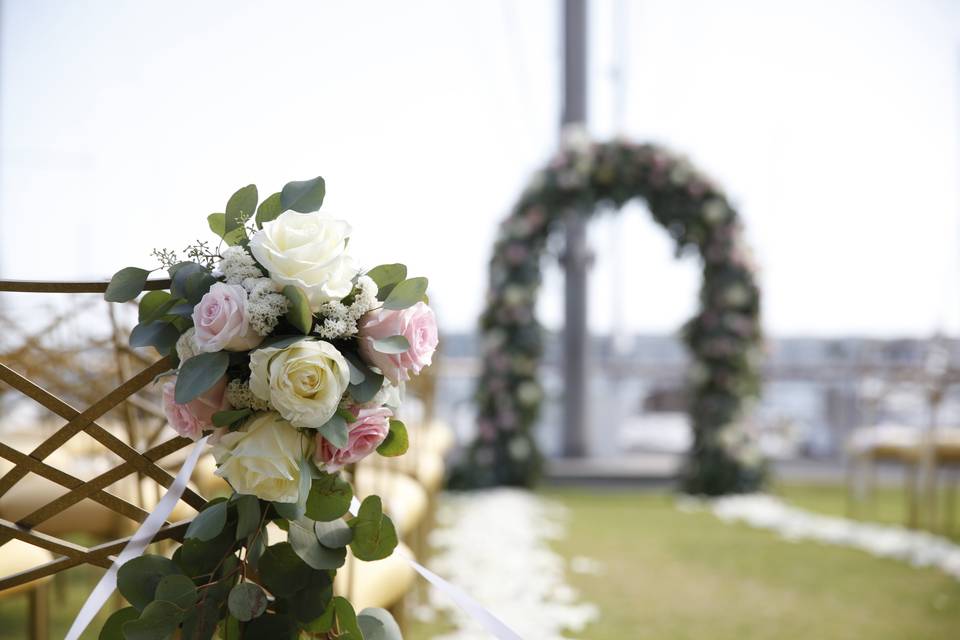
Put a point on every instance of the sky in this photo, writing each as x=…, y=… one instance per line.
x=833, y=126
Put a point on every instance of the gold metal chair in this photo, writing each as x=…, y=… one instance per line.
x=65, y=554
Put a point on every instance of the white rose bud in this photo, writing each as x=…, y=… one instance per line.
x=307, y=250
x=305, y=382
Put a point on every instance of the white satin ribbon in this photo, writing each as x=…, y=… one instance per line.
x=144, y=535
x=465, y=601
x=137, y=544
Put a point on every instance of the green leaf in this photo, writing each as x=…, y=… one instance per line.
x=217, y=223
x=310, y=603
x=374, y=536
x=346, y=620
x=157, y=621
x=304, y=541
x=333, y=534
x=190, y=281
x=378, y=624
x=406, y=294
x=387, y=276
x=227, y=418
x=247, y=601
x=256, y=545
x=154, y=306
x=248, y=514
x=138, y=578
x=240, y=207
x=269, y=209
x=298, y=311
x=329, y=498
x=198, y=374
x=271, y=626
x=356, y=375
x=126, y=284
x=209, y=523
x=393, y=345
x=335, y=431
x=112, y=627
x=282, y=571
x=397, y=441
x=303, y=196
x=158, y=334
x=372, y=382
x=178, y=589
x=200, y=622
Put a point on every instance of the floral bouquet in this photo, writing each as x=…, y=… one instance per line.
x=293, y=360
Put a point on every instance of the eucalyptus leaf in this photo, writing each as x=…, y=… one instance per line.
x=406, y=294
x=387, y=276
x=209, y=523
x=329, y=498
x=157, y=621
x=112, y=628
x=199, y=374
x=374, y=536
x=335, y=431
x=334, y=534
x=217, y=223
x=240, y=208
x=356, y=375
x=247, y=601
x=304, y=541
x=137, y=579
x=158, y=334
x=372, y=382
x=154, y=305
x=378, y=624
x=303, y=196
x=282, y=571
x=229, y=417
x=310, y=603
x=269, y=209
x=392, y=345
x=126, y=284
x=248, y=515
x=272, y=626
x=397, y=441
x=178, y=589
x=298, y=309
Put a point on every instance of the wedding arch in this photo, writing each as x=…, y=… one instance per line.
x=723, y=337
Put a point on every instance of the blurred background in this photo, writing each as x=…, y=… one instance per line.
x=834, y=127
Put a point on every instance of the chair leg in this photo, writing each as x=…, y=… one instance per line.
x=39, y=613
x=913, y=513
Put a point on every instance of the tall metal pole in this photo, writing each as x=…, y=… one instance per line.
x=576, y=259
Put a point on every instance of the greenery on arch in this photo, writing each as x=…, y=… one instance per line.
x=723, y=337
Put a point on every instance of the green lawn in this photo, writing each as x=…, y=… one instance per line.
x=686, y=575
x=672, y=575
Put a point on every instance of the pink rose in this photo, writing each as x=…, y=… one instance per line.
x=365, y=434
x=189, y=420
x=417, y=324
x=222, y=322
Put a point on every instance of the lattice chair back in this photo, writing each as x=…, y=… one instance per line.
x=133, y=460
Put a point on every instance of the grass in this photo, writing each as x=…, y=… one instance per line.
x=673, y=575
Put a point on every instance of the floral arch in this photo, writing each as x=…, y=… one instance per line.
x=723, y=337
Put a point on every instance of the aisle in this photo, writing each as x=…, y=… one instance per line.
x=496, y=545
x=918, y=548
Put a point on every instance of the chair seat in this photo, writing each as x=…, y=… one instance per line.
x=17, y=556
x=424, y=465
x=376, y=584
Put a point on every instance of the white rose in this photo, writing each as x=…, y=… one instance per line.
x=307, y=250
x=304, y=382
x=263, y=458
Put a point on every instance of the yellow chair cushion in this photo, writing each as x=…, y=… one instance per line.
x=376, y=584
x=17, y=556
